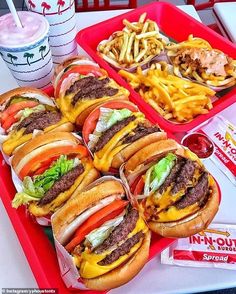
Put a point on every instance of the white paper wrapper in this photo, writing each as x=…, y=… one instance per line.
x=69, y=272
x=213, y=247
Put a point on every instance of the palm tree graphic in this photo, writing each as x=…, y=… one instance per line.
x=42, y=49
x=28, y=55
x=45, y=6
x=60, y=4
x=31, y=4
x=12, y=57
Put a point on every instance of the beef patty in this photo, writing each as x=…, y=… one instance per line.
x=120, y=232
x=91, y=88
x=122, y=250
x=108, y=134
x=140, y=131
x=39, y=121
x=62, y=185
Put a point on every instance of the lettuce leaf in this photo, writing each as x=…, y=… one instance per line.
x=156, y=175
x=97, y=236
x=108, y=117
x=34, y=189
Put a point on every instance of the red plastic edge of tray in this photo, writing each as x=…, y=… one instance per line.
x=164, y=14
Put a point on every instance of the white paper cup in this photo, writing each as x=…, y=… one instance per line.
x=26, y=50
x=62, y=19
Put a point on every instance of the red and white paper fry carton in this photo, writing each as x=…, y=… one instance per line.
x=62, y=19
x=213, y=247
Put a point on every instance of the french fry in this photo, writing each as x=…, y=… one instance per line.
x=124, y=46
x=172, y=97
x=136, y=44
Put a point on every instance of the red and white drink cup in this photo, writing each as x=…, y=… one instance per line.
x=26, y=50
x=62, y=19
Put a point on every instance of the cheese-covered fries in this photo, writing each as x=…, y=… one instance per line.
x=197, y=60
x=174, y=98
x=135, y=45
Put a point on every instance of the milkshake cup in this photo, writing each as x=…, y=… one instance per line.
x=26, y=50
x=62, y=20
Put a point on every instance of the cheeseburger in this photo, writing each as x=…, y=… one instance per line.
x=107, y=239
x=24, y=110
x=114, y=131
x=80, y=85
x=176, y=194
x=53, y=167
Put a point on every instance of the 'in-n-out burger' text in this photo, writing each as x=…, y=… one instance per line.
x=220, y=243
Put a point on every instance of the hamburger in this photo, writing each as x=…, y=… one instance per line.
x=24, y=110
x=176, y=194
x=53, y=167
x=107, y=239
x=114, y=131
x=80, y=85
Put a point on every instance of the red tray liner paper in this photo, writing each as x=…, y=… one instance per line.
x=177, y=25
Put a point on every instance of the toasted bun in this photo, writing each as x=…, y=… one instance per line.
x=80, y=202
x=21, y=91
x=151, y=151
x=134, y=147
x=88, y=176
x=67, y=62
x=39, y=144
x=123, y=273
x=194, y=223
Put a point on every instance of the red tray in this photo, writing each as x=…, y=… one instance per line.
x=42, y=259
x=175, y=24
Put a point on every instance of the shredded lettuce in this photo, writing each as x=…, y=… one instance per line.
x=108, y=117
x=97, y=236
x=34, y=189
x=156, y=175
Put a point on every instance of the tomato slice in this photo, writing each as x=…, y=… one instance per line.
x=137, y=186
x=9, y=122
x=36, y=162
x=14, y=108
x=80, y=69
x=91, y=121
x=44, y=166
x=108, y=212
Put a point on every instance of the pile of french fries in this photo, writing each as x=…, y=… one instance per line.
x=135, y=45
x=197, y=46
x=174, y=98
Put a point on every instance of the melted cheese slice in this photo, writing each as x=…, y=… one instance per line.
x=71, y=112
x=103, y=158
x=90, y=268
x=173, y=213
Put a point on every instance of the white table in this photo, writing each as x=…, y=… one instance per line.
x=154, y=278
x=225, y=18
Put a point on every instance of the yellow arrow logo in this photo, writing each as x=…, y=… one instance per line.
x=203, y=233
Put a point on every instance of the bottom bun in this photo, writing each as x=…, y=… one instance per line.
x=123, y=273
x=192, y=224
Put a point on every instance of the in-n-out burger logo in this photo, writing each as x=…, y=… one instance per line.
x=228, y=143
x=215, y=243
